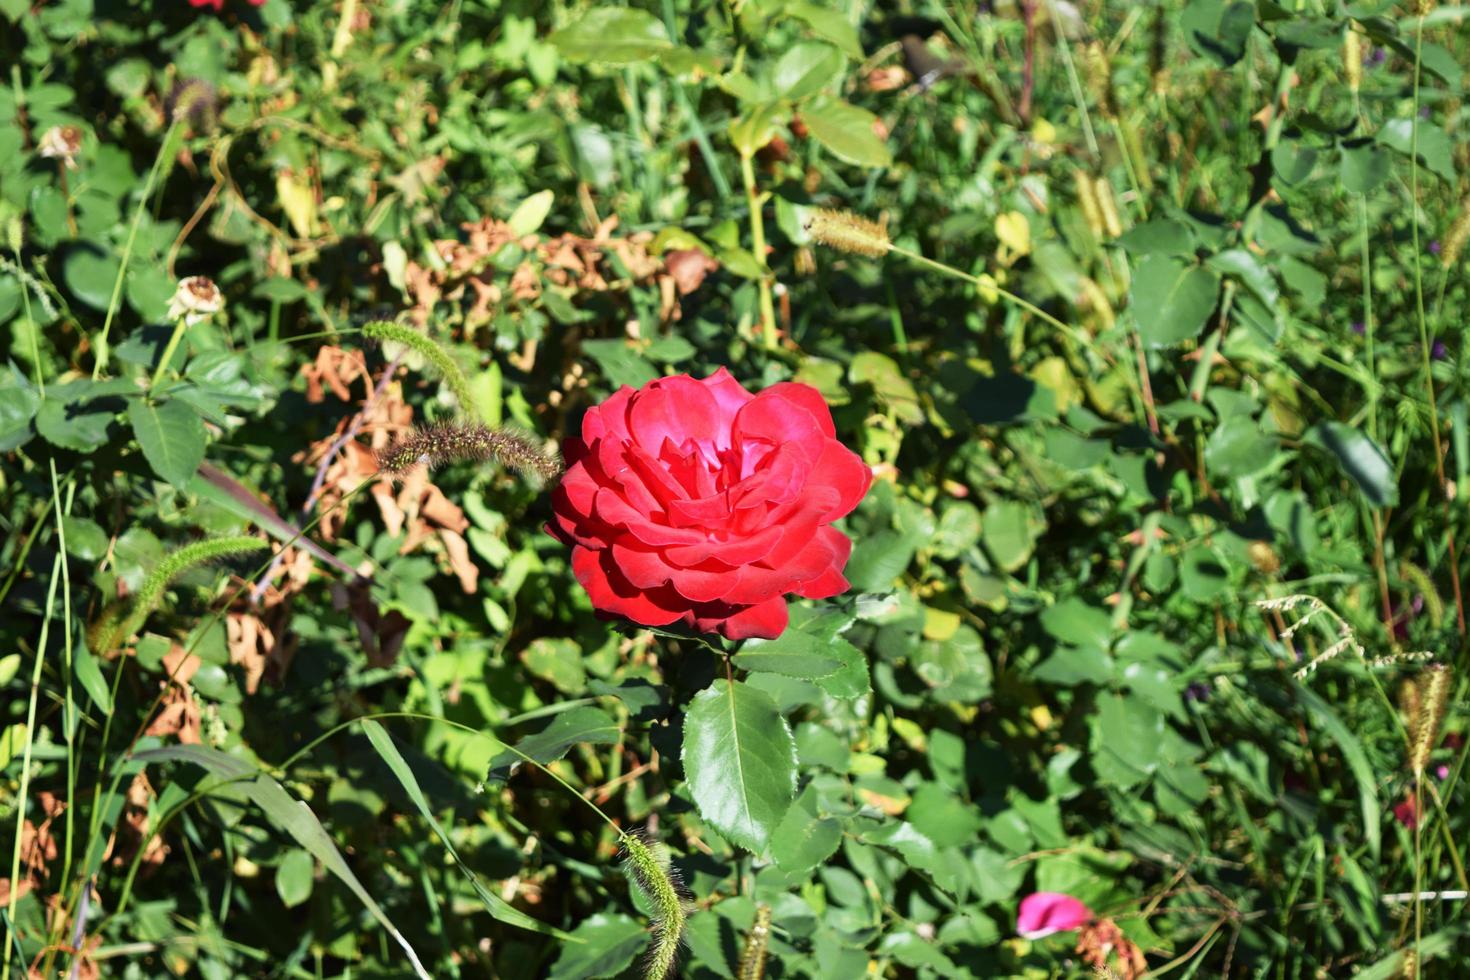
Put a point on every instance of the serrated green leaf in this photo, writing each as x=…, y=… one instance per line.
x=740, y=759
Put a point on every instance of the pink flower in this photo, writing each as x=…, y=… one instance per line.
x=1406, y=813
x=1044, y=913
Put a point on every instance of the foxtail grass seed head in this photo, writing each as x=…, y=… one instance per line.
x=1434, y=695
x=1352, y=59
x=194, y=101
x=1109, y=207
x=113, y=629
x=1087, y=198
x=450, y=442
x=753, y=956
x=195, y=300
x=1456, y=237
x=647, y=864
x=434, y=355
x=847, y=232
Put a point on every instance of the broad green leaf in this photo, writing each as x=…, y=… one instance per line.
x=294, y=877
x=804, y=68
x=847, y=131
x=604, y=946
x=302, y=825
x=830, y=24
x=90, y=273
x=1127, y=734
x=531, y=213
x=18, y=407
x=498, y=908
x=1218, y=30
x=812, y=651
x=612, y=36
x=1361, y=460
x=1433, y=147
x=576, y=726
x=1162, y=236
x=740, y=760
x=78, y=414
x=172, y=436
x=1362, y=166
x=802, y=840
x=1171, y=299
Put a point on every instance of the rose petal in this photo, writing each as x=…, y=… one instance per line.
x=730, y=395
x=780, y=421
x=608, y=419
x=611, y=594
x=844, y=471
x=808, y=398
x=1044, y=913
x=677, y=409
x=766, y=620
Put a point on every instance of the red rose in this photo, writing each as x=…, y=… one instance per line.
x=697, y=502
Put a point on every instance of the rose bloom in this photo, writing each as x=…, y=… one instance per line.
x=219, y=5
x=695, y=501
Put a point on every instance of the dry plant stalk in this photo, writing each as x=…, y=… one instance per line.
x=1343, y=637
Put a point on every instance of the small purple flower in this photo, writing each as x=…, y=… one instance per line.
x=1438, y=351
x=1375, y=57
x=1359, y=327
x=1198, y=691
x=1424, y=112
x=1434, y=247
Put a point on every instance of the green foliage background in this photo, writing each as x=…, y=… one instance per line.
x=1051, y=674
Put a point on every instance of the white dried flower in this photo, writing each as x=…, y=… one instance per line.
x=196, y=299
x=61, y=143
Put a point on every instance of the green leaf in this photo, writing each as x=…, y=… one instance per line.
x=575, y=726
x=605, y=945
x=89, y=674
x=78, y=414
x=1434, y=148
x=1362, y=166
x=847, y=131
x=1360, y=458
x=498, y=907
x=812, y=651
x=559, y=661
x=1162, y=236
x=1217, y=30
x=830, y=24
x=740, y=760
x=1127, y=735
x=90, y=272
x=1171, y=299
x=531, y=213
x=302, y=825
x=294, y=877
x=802, y=840
x=172, y=436
x=612, y=36
x=18, y=405
x=805, y=68
x=1008, y=534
